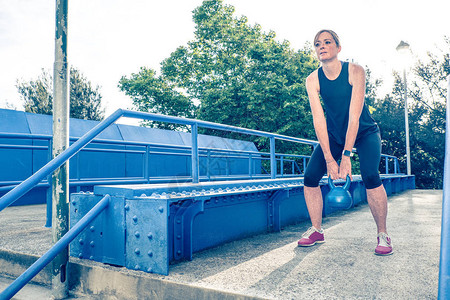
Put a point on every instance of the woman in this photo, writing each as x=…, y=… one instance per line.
x=347, y=124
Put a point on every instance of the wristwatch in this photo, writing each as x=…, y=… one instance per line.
x=347, y=153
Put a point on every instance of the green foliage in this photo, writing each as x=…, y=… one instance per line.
x=238, y=75
x=85, y=100
x=153, y=94
x=37, y=94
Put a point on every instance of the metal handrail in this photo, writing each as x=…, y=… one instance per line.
x=51, y=166
x=45, y=259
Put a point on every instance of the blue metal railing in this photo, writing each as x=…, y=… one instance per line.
x=444, y=264
x=33, y=180
x=44, y=260
x=46, y=170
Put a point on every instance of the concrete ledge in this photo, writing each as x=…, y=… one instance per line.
x=108, y=282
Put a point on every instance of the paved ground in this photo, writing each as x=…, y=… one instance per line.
x=271, y=266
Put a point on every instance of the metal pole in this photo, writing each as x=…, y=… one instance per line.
x=273, y=162
x=444, y=264
x=60, y=178
x=194, y=155
x=408, y=152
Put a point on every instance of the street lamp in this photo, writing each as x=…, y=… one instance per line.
x=403, y=48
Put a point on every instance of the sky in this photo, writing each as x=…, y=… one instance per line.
x=108, y=39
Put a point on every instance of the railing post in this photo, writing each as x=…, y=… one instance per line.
x=250, y=165
x=208, y=164
x=387, y=164
x=194, y=156
x=281, y=165
x=48, y=222
x=146, y=160
x=273, y=162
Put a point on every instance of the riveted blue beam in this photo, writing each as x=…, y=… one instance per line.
x=182, y=227
x=147, y=235
x=273, y=204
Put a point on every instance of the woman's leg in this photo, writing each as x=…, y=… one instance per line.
x=315, y=170
x=369, y=152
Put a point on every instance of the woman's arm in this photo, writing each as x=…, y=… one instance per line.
x=357, y=78
x=320, y=124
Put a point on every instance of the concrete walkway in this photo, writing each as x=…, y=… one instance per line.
x=268, y=266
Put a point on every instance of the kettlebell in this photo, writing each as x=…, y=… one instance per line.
x=339, y=196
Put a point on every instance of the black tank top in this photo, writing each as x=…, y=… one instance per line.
x=336, y=95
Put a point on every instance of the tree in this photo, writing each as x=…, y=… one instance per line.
x=239, y=75
x=153, y=94
x=85, y=101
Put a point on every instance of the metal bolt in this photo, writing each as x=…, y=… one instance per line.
x=137, y=267
x=80, y=255
x=127, y=207
x=179, y=237
x=92, y=228
x=161, y=209
x=150, y=236
x=179, y=252
x=135, y=218
x=137, y=251
x=92, y=243
x=73, y=202
x=81, y=241
x=137, y=234
x=91, y=257
x=178, y=221
x=149, y=270
x=150, y=253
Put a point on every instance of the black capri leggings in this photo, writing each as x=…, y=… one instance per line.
x=369, y=153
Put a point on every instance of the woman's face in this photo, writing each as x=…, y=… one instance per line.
x=326, y=48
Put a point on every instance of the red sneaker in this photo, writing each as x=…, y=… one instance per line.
x=384, y=245
x=311, y=237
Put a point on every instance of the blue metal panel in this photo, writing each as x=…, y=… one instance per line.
x=40, y=156
x=79, y=127
x=13, y=121
x=135, y=162
x=181, y=229
x=293, y=209
x=104, y=239
x=147, y=235
x=224, y=221
x=149, y=135
x=40, y=124
x=16, y=164
x=387, y=182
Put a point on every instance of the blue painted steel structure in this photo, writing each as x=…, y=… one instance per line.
x=148, y=226
x=444, y=264
x=38, y=265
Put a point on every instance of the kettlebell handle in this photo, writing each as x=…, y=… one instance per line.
x=346, y=185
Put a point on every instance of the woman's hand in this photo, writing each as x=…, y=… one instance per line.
x=345, y=168
x=333, y=169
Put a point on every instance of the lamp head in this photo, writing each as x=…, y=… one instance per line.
x=403, y=46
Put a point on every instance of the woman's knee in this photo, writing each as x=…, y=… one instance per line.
x=371, y=181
